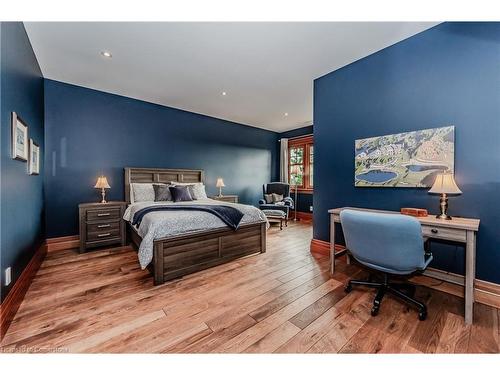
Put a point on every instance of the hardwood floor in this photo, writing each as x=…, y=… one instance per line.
x=282, y=301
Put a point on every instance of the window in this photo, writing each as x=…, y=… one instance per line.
x=301, y=163
x=296, y=165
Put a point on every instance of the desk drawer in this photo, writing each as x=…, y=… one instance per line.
x=103, y=214
x=444, y=233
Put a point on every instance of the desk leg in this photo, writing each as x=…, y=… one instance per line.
x=332, y=245
x=470, y=275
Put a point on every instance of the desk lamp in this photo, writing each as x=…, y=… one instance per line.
x=444, y=185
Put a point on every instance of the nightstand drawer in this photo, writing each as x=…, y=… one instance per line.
x=107, y=241
x=103, y=214
x=444, y=233
x=226, y=198
x=103, y=227
x=103, y=235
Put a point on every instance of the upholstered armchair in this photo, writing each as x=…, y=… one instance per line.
x=279, y=188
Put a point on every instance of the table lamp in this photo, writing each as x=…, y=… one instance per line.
x=102, y=183
x=444, y=185
x=220, y=185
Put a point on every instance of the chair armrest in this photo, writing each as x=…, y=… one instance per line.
x=288, y=202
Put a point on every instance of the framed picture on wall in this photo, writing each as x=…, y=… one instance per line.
x=34, y=163
x=412, y=159
x=19, y=138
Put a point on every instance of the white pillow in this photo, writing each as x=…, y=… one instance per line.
x=198, y=188
x=142, y=192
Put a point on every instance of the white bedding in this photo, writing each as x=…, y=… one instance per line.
x=159, y=224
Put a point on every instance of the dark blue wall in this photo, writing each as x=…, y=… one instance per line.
x=304, y=201
x=89, y=132
x=449, y=74
x=21, y=194
x=306, y=130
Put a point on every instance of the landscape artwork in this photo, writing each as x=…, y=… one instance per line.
x=411, y=159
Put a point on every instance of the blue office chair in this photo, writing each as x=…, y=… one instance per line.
x=389, y=243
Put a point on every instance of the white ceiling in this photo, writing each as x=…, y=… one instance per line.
x=267, y=69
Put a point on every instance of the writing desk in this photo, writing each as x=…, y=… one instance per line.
x=458, y=229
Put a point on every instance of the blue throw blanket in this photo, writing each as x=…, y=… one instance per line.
x=229, y=215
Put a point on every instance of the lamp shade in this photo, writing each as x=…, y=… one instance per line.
x=220, y=182
x=445, y=184
x=102, y=183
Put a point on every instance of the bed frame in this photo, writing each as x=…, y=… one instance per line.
x=179, y=255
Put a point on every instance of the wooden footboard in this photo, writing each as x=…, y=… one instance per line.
x=184, y=254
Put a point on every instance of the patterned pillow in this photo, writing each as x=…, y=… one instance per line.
x=142, y=192
x=268, y=198
x=180, y=193
x=197, y=191
x=162, y=192
x=192, y=191
x=277, y=197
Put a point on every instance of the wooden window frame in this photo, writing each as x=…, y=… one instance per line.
x=306, y=143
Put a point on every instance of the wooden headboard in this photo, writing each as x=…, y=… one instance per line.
x=161, y=175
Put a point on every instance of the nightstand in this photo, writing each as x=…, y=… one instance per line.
x=226, y=198
x=101, y=224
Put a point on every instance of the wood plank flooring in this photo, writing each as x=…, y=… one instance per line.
x=283, y=301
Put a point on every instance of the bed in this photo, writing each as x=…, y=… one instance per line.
x=188, y=247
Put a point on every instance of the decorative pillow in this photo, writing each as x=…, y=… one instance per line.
x=197, y=189
x=268, y=198
x=180, y=193
x=142, y=192
x=191, y=191
x=162, y=192
x=277, y=197
x=190, y=187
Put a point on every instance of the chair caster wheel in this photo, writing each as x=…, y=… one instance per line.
x=374, y=311
x=422, y=315
x=348, y=288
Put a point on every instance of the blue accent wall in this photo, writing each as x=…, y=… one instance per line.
x=305, y=130
x=448, y=75
x=304, y=201
x=88, y=133
x=21, y=211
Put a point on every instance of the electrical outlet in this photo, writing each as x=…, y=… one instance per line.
x=8, y=276
x=311, y=208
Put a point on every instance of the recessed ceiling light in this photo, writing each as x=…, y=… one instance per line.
x=107, y=54
x=286, y=114
x=224, y=93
